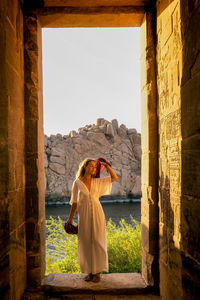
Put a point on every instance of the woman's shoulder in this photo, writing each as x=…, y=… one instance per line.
x=75, y=181
x=78, y=179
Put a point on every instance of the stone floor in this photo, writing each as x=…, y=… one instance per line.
x=117, y=283
x=114, y=286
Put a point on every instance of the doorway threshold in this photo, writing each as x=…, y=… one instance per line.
x=112, y=284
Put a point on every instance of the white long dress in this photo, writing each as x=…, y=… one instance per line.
x=92, y=242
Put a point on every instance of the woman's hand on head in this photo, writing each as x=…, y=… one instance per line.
x=104, y=164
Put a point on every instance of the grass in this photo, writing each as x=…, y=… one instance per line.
x=123, y=246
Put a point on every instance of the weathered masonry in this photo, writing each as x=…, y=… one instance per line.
x=170, y=63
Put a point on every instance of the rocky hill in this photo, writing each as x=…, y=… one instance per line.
x=117, y=144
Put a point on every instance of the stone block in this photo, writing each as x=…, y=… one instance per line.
x=18, y=248
x=31, y=33
x=190, y=112
x=31, y=132
x=149, y=134
x=149, y=168
x=150, y=269
x=16, y=131
x=15, y=97
x=190, y=280
x=171, y=288
x=34, y=277
x=191, y=166
x=17, y=262
x=149, y=236
x=5, y=99
x=31, y=103
x=13, y=49
x=31, y=170
x=33, y=236
x=32, y=194
x=16, y=208
x=4, y=275
x=34, y=260
x=13, y=13
x=16, y=170
x=4, y=172
x=190, y=234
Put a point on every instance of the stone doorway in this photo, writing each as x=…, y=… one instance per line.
x=34, y=21
x=177, y=73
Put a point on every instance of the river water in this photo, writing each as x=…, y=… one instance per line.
x=116, y=210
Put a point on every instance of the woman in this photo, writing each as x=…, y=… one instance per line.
x=92, y=243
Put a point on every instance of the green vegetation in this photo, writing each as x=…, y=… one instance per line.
x=123, y=244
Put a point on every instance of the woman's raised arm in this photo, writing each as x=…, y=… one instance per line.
x=110, y=170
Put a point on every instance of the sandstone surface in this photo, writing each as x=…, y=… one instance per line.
x=117, y=144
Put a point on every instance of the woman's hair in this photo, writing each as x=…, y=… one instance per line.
x=82, y=165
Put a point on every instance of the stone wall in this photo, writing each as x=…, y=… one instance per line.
x=119, y=145
x=12, y=158
x=178, y=80
x=169, y=73
x=34, y=154
x=149, y=203
x=190, y=147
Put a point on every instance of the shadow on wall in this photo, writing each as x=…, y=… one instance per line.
x=176, y=270
x=169, y=255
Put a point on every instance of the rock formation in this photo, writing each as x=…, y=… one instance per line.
x=118, y=144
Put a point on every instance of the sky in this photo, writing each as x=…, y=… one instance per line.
x=90, y=73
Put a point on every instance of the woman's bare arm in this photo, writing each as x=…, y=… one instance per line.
x=110, y=170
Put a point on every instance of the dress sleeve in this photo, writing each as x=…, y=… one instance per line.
x=105, y=185
x=74, y=194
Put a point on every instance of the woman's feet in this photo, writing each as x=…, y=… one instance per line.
x=89, y=277
x=96, y=277
x=92, y=277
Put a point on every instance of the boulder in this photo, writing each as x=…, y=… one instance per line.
x=135, y=139
x=58, y=150
x=114, y=123
x=59, y=169
x=122, y=131
x=110, y=130
x=99, y=121
x=73, y=133
x=58, y=160
x=132, y=131
x=138, y=152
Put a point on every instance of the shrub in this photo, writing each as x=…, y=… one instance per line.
x=123, y=245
